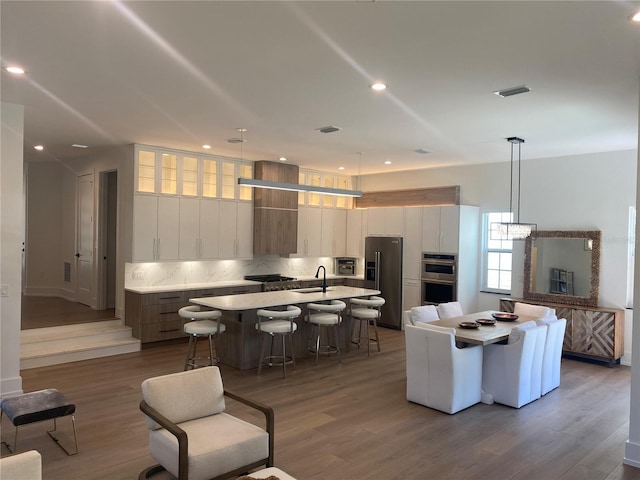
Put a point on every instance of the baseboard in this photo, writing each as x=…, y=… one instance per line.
x=632, y=454
x=11, y=386
x=50, y=292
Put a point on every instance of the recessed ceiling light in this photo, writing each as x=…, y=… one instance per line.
x=635, y=17
x=378, y=86
x=340, y=168
x=508, y=92
x=387, y=162
x=77, y=145
x=283, y=159
x=422, y=151
x=39, y=147
x=15, y=69
x=206, y=146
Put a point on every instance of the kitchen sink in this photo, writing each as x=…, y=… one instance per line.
x=311, y=290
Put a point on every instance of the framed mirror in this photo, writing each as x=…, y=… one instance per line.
x=563, y=267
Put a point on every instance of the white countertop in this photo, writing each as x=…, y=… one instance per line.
x=191, y=286
x=253, y=301
x=228, y=283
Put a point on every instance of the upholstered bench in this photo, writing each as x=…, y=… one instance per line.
x=38, y=406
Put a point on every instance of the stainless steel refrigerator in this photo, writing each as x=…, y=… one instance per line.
x=383, y=271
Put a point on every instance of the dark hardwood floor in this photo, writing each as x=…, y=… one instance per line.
x=41, y=312
x=351, y=421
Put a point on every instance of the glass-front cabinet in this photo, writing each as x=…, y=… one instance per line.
x=202, y=191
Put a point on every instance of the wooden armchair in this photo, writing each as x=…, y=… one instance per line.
x=191, y=437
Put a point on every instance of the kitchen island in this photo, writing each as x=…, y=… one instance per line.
x=239, y=345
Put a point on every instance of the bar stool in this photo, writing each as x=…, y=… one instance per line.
x=204, y=323
x=367, y=311
x=277, y=322
x=327, y=315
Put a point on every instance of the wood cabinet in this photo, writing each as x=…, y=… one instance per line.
x=592, y=332
x=155, y=228
x=153, y=317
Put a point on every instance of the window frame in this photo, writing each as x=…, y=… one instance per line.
x=488, y=219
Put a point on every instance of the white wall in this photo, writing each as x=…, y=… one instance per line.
x=583, y=192
x=11, y=238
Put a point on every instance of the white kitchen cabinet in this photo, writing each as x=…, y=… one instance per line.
x=440, y=229
x=199, y=220
x=411, y=294
x=309, y=232
x=156, y=221
x=333, y=232
x=412, y=243
x=387, y=221
x=235, y=229
x=355, y=233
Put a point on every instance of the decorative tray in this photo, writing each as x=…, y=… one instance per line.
x=468, y=325
x=505, y=317
x=486, y=321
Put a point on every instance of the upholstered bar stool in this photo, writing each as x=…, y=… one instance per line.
x=366, y=311
x=277, y=322
x=204, y=323
x=327, y=316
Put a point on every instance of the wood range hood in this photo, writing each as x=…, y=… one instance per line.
x=275, y=212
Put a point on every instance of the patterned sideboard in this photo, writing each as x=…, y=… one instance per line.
x=592, y=332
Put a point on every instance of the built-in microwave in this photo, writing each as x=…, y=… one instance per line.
x=345, y=266
x=439, y=278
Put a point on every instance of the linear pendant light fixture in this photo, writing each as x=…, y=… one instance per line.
x=295, y=187
x=514, y=230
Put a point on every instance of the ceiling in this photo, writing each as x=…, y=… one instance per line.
x=181, y=74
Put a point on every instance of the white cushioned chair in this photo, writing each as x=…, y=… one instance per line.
x=552, y=356
x=192, y=438
x=440, y=375
x=450, y=310
x=21, y=466
x=538, y=311
x=512, y=373
x=424, y=313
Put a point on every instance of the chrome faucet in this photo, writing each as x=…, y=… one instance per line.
x=324, y=278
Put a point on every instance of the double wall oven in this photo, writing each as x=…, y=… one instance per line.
x=439, y=278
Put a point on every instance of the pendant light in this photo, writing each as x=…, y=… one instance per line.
x=514, y=230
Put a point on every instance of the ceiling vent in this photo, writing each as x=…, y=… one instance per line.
x=422, y=151
x=329, y=129
x=236, y=140
x=508, y=92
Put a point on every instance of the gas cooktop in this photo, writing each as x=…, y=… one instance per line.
x=269, y=278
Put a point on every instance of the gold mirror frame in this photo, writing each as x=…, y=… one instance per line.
x=594, y=290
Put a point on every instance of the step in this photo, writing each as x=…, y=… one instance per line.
x=70, y=343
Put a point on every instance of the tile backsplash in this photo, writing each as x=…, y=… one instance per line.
x=181, y=273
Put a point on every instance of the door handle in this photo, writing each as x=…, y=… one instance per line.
x=77, y=255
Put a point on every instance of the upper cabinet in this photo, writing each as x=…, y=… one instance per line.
x=441, y=229
x=189, y=206
x=385, y=221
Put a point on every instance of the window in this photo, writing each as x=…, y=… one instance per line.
x=497, y=255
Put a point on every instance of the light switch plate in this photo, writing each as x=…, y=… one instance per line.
x=4, y=290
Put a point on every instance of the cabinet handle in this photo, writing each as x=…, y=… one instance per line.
x=169, y=298
x=158, y=255
x=168, y=331
x=153, y=252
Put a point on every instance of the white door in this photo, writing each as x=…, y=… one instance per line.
x=84, y=240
